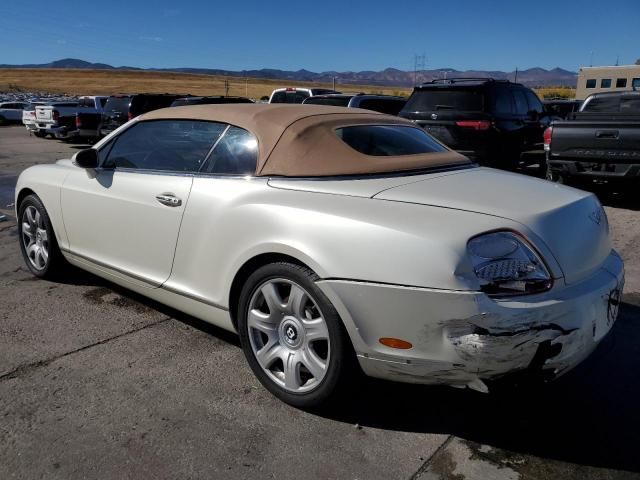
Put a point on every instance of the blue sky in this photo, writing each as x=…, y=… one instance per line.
x=319, y=36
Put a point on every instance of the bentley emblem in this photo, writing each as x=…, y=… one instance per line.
x=291, y=333
x=596, y=216
x=434, y=116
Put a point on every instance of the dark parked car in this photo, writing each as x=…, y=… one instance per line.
x=180, y=102
x=119, y=109
x=562, y=108
x=378, y=103
x=491, y=120
x=600, y=142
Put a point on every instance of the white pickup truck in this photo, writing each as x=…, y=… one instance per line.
x=60, y=119
x=29, y=117
x=50, y=118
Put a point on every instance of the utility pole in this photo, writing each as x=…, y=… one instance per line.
x=591, y=59
x=226, y=87
x=418, y=65
x=515, y=80
x=246, y=86
x=334, y=83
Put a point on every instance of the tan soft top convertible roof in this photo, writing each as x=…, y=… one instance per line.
x=300, y=140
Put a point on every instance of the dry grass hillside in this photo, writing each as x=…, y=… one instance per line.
x=107, y=82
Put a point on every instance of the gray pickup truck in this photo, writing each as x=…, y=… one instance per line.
x=599, y=142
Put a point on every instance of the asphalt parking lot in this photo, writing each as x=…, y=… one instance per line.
x=97, y=382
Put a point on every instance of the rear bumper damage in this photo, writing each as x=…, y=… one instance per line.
x=466, y=338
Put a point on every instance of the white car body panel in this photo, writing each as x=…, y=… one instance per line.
x=132, y=231
x=391, y=254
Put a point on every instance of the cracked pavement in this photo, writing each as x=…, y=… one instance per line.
x=98, y=382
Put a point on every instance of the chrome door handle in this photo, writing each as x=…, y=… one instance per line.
x=169, y=200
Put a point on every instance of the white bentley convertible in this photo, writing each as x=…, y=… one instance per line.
x=332, y=241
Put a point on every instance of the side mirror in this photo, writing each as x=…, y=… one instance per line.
x=86, y=158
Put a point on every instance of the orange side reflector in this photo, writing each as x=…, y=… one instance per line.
x=395, y=343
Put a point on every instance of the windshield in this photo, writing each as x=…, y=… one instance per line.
x=120, y=104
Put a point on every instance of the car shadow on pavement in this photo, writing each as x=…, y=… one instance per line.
x=76, y=276
x=590, y=417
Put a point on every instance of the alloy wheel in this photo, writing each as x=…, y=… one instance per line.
x=35, y=238
x=288, y=335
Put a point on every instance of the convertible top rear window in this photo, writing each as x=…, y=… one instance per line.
x=389, y=140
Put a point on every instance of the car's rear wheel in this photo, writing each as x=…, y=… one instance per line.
x=40, y=134
x=292, y=335
x=37, y=239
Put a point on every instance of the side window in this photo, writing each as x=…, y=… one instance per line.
x=522, y=107
x=605, y=83
x=621, y=83
x=635, y=83
x=534, y=102
x=591, y=83
x=235, y=154
x=167, y=145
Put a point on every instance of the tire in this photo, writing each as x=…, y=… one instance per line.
x=39, y=134
x=553, y=176
x=280, y=309
x=38, y=241
x=2, y=120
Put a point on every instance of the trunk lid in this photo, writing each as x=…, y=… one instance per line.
x=571, y=222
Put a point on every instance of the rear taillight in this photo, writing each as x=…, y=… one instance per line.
x=547, y=138
x=55, y=115
x=475, y=124
x=78, y=122
x=130, y=116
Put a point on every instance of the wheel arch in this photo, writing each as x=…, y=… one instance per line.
x=247, y=268
x=24, y=192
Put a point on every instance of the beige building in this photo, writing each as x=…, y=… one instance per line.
x=607, y=79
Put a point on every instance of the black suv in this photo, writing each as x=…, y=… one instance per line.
x=491, y=120
x=119, y=109
x=180, y=102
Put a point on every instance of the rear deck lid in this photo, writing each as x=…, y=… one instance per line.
x=571, y=222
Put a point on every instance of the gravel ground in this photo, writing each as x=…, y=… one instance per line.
x=97, y=382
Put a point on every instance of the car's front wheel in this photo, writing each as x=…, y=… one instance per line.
x=37, y=239
x=292, y=335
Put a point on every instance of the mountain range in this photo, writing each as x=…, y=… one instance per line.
x=534, y=77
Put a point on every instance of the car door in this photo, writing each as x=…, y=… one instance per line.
x=126, y=214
